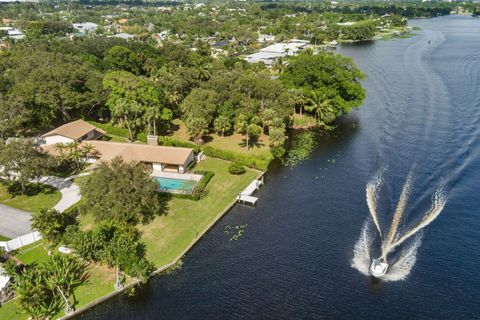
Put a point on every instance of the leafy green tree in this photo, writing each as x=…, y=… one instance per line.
x=130, y=97
x=115, y=244
x=331, y=81
x=122, y=58
x=200, y=103
x=222, y=124
x=54, y=86
x=120, y=191
x=14, y=117
x=22, y=161
x=52, y=224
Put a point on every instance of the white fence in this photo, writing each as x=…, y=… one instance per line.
x=21, y=241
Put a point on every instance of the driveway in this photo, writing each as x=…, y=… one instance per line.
x=14, y=222
x=70, y=191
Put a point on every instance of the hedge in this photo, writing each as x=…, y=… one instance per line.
x=168, y=141
x=116, y=131
x=255, y=162
x=199, y=190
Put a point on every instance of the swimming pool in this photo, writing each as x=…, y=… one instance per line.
x=172, y=184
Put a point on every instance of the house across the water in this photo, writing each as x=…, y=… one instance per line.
x=157, y=158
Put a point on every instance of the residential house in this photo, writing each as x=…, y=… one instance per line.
x=265, y=38
x=85, y=27
x=156, y=158
x=15, y=34
x=73, y=131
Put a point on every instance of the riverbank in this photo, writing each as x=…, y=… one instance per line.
x=168, y=237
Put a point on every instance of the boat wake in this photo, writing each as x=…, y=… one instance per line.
x=399, y=247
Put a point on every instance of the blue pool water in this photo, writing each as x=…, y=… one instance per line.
x=171, y=184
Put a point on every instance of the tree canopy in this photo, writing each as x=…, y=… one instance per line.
x=120, y=191
x=330, y=84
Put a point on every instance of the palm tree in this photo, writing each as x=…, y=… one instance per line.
x=222, y=124
x=65, y=274
x=322, y=107
x=74, y=154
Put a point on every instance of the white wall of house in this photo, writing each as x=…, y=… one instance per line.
x=57, y=139
x=89, y=159
x=157, y=166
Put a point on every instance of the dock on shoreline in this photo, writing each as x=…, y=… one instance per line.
x=246, y=195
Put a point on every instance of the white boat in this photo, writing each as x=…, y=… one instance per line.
x=378, y=267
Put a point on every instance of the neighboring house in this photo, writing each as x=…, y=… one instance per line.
x=73, y=131
x=16, y=34
x=123, y=35
x=269, y=54
x=156, y=158
x=220, y=44
x=265, y=38
x=85, y=27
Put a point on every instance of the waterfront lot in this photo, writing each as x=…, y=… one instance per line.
x=167, y=237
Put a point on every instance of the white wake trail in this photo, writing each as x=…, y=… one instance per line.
x=372, y=190
x=397, y=218
x=438, y=203
x=401, y=265
x=361, y=252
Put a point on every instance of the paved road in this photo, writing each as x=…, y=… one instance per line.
x=14, y=222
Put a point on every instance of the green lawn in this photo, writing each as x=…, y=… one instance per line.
x=169, y=235
x=166, y=237
x=47, y=197
x=3, y=238
x=35, y=252
x=234, y=142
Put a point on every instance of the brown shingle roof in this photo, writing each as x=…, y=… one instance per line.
x=73, y=130
x=140, y=152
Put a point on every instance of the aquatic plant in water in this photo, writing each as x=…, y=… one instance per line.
x=302, y=146
x=235, y=232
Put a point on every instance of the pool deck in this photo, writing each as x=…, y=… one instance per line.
x=175, y=175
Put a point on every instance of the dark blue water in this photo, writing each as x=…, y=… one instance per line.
x=421, y=117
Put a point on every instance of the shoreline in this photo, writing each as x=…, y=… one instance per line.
x=161, y=269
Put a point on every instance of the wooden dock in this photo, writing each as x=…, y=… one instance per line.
x=246, y=197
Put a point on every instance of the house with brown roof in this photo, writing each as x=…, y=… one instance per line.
x=156, y=158
x=79, y=131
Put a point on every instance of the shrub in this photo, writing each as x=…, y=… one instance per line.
x=236, y=168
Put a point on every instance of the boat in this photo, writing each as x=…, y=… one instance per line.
x=378, y=268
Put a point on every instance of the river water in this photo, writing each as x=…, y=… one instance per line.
x=421, y=119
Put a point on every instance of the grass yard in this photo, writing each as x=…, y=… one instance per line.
x=47, y=197
x=35, y=252
x=169, y=235
x=304, y=121
x=234, y=142
x=3, y=238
